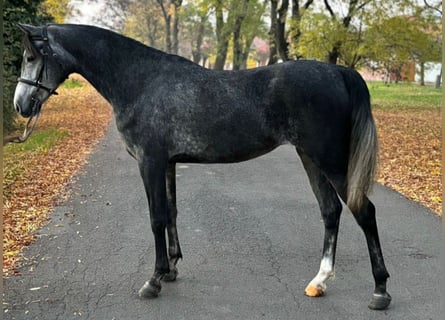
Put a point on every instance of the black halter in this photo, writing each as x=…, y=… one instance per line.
x=37, y=103
x=45, y=52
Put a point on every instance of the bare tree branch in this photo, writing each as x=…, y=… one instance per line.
x=439, y=5
x=363, y=4
x=328, y=7
x=307, y=4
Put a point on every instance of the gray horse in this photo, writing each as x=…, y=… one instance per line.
x=170, y=110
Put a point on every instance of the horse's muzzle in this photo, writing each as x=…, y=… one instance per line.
x=32, y=110
x=24, y=112
x=17, y=108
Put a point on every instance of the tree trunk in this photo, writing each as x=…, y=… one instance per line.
x=273, y=52
x=167, y=20
x=237, y=49
x=175, y=33
x=333, y=55
x=422, y=73
x=245, y=53
x=237, y=41
x=222, y=38
x=279, y=47
x=281, y=41
x=196, y=51
x=297, y=15
x=152, y=27
x=438, y=80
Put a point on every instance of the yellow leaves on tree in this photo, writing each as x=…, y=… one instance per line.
x=58, y=9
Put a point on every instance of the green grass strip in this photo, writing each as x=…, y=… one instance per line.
x=404, y=96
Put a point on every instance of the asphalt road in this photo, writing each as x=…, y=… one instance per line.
x=251, y=236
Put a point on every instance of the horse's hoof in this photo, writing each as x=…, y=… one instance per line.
x=380, y=301
x=171, y=276
x=312, y=291
x=150, y=290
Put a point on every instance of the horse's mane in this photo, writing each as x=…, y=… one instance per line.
x=153, y=52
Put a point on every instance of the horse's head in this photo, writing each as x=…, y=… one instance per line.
x=41, y=72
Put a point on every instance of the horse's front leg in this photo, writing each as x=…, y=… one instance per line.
x=153, y=175
x=174, y=249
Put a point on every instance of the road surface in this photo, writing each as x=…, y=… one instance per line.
x=251, y=235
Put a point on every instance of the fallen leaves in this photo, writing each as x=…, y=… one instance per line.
x=40, y=178
x=410, y=154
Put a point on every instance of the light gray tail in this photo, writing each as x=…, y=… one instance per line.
x=363, y=149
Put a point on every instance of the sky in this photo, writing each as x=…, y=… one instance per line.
x=85, y=11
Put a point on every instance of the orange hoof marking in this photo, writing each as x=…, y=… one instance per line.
x=312, y=291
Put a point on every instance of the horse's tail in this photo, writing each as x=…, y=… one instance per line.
x=363, y=148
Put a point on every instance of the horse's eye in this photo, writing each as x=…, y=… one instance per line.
x=30, y=59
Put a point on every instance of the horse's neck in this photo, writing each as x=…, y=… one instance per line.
x=108, y=63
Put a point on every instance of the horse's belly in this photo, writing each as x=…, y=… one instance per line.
x=226, y=150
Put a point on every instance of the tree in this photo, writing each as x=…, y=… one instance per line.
x=396, y=41
x=253, y=25
x=436, y=8
x=278, y=42
x=279, y=34
x=240, y=16
x=232, y=27
x=144, y=20
x=197, y=31
x=57, y=9
x=170, y=13
x=15, y=11
x=222, y=34
x=144, y=23
x=355, y=8
x=433, y=5
x=320, y=34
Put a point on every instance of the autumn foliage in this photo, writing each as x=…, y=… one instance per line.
x=410, y=154
x=36, y=180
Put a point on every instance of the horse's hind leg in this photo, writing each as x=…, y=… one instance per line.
x=366, y=219
x=174, y=249
x=331, y=209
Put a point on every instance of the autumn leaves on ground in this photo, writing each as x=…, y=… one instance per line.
x=36, y=174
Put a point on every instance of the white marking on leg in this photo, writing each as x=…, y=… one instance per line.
x=326, y=271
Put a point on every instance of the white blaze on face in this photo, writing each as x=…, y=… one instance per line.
x=20, y=91
x=24, y=92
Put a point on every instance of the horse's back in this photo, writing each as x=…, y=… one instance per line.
x=230, y=116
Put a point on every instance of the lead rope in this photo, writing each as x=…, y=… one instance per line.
x=28, y=130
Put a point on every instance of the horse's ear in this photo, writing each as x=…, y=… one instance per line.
x=27, y=28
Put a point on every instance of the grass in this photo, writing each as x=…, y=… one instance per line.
x=404, y=96
x=37, y=142
x=72, y=83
